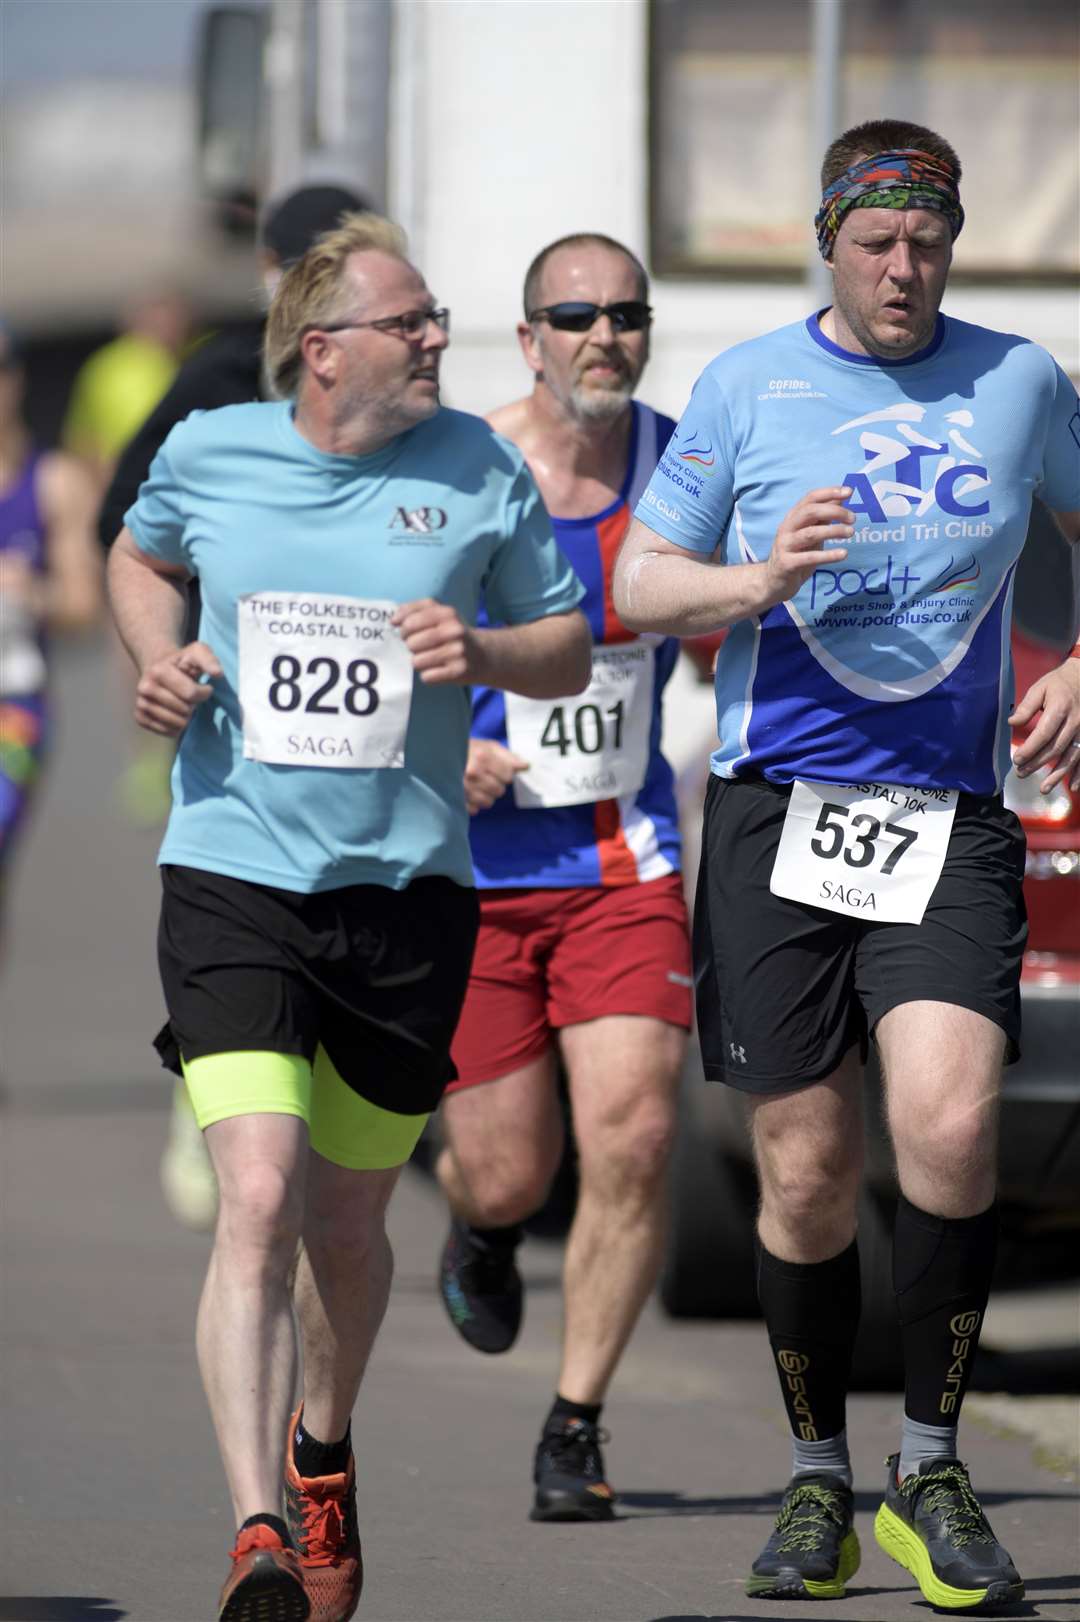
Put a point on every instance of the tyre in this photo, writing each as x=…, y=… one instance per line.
x=709, y=1266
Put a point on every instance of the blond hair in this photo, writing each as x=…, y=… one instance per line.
x=312, y=292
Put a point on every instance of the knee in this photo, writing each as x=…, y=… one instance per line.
x=501, y=1188
x=506, y=1198
x=632, y=1153
x=809, y=1193
x=342, y=1254
x=260, y=1211
x=948, y=1143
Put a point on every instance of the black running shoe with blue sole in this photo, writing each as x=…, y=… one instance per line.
x=933, y=1525
x=481, y=1289
x=813, y=1549
x=569, y=1474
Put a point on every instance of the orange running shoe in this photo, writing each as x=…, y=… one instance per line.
x=321, y=1513
x=266, y=1583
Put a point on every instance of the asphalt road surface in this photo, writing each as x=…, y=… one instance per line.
x=115, y=1505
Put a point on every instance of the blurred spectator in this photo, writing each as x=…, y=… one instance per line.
x=121, y=383
x=50, y=576
x=226, y=370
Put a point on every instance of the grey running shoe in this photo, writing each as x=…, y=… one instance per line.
x=813, y=1549
x=933, y=1525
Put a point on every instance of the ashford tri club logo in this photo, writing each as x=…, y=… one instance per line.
x=908, y=472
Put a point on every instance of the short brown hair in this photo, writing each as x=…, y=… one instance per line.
x=311, y=292
x=884, y=135
x=580, y=239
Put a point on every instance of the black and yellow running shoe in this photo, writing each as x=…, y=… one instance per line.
x=933, y=1525
x=813, y=1549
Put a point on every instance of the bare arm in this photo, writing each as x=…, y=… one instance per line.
x=72, y=596
x=544, y=658
x=149, y=605
x=659, y=586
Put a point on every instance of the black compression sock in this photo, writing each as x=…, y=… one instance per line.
x=274, y=1522
x=811, y=1310
x=314, y=1458
x=942, y=1267
x=563, y=1409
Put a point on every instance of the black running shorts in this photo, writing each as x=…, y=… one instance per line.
x=784, y=990
x=376, y=976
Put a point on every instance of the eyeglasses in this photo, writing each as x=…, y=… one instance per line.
x=410, y=324
x=573, y=315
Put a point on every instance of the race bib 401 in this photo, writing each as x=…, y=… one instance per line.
x=868, y=849
x=324, y=681
x=594, y=746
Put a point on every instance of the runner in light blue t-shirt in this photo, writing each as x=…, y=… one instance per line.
x=850, y=495
x=242, y=500
x=319, y=914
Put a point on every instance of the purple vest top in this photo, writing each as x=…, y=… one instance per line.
x=22, y=529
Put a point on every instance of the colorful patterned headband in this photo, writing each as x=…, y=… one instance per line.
x=904, y=179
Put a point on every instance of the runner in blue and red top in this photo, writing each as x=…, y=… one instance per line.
x=583, y=951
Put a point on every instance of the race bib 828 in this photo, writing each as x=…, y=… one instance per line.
x=324, y=680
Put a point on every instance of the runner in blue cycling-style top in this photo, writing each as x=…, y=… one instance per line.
x=851, y=494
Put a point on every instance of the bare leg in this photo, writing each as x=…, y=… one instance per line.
x=503, y=1145
x=342, y=1287
x=624, y=1074
x=808, y=1148
x=943, y=1082
x=245, y=1333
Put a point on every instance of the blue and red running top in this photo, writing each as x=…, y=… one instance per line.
x=631, y=837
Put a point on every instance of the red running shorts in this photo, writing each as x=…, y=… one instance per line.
x=549, y=958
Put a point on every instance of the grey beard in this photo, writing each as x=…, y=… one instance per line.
x=601, y=405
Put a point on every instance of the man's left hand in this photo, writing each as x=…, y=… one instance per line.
x=1054, y=740
x=443, y=647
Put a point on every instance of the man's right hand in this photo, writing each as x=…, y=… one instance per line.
x=170, y=688
x=489, y=772
x=799, y=547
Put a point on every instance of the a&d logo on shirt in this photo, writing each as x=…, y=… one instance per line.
x=418, y=520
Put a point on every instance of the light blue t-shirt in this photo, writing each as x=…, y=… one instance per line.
x=244, y=502
x=893, y=666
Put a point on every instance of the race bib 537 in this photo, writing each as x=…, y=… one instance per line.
x=868, y=849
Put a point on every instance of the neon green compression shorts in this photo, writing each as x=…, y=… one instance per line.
x=343, y=1127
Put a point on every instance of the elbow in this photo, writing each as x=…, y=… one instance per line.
x=627, y=602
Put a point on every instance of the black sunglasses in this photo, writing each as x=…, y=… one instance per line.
x=574, y=315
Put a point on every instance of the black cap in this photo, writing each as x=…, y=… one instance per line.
x=291, y=225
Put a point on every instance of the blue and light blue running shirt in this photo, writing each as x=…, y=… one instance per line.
x=243, y=501
x=607, y=842
x=893, y=666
